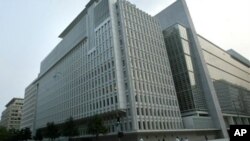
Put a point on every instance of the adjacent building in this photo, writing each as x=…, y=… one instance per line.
x=152, y=74
x=11, y=116
x=212, y=85
x=197, y=97
x=230, y=73
x=3, y=118
x=29, y=107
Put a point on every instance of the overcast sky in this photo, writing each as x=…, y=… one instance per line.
x=29, y=30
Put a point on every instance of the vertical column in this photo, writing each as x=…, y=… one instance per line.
x=207, y=84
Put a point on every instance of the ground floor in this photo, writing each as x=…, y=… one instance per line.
x=191, y=135
x=234, y=119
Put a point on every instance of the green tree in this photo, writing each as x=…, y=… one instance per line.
x=20, y=134
x=4, y=134
x=27, y=134
x=14, y=134
x=51, y=131
x=96, y=127
x=39, y=135
x=69, y=128
x=23, y=134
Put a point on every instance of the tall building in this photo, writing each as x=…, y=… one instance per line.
x=230, y=78
x=113, y=62
x=200, y=95
x=29, y=107
x=11, y=116
x=205, y=76
x=3, y=119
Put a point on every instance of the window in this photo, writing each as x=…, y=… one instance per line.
x=111, y=100
x=107, y=101
x=139, y=124
x=116, y=101
x=142, y=111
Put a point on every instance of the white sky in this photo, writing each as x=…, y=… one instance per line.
x=29, y=30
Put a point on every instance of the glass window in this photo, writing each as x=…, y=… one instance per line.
x=183, y=32
x=186, y=48
x=189, y=63
x=192, y=79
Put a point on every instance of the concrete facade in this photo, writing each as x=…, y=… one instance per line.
x=11, y=116
x=109, y=64
x=29, y=107
x=113, y=62
x=182, y=16
x=230, y=73
x=197, y=65
x=223, y=65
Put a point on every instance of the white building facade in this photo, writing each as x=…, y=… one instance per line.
x=111, y=62
x=29, y=107
x=11, y=116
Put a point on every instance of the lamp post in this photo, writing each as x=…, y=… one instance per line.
x=119, y=114
x=118, y=125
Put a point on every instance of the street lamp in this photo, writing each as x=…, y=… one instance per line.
x=119, y=132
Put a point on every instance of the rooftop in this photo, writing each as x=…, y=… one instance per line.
x=77, y=19
x=238, y=57
x=12, y=101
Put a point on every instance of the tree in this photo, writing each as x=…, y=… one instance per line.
x=27, y=134
x=14, y=134
x=69, y=128
x=96, y=127
x=51, y=131
x=4, y=135
x=23, y=134
x=20, y=134
x=38, y=135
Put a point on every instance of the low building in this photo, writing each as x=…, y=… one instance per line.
x=11, y=116
x=230, y=73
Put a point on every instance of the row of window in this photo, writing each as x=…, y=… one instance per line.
x=157, y=112
x=150, y=71
x=151, y=77
x=152, y=99
x=87, y=83
x=159, y=125
x=139, y=17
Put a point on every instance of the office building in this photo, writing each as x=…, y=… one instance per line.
x=113, y=62
x=3, y=118
x=199, y=104
x=204, y=74
x=230, y=73
x=29, y=107
x=11, y=116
